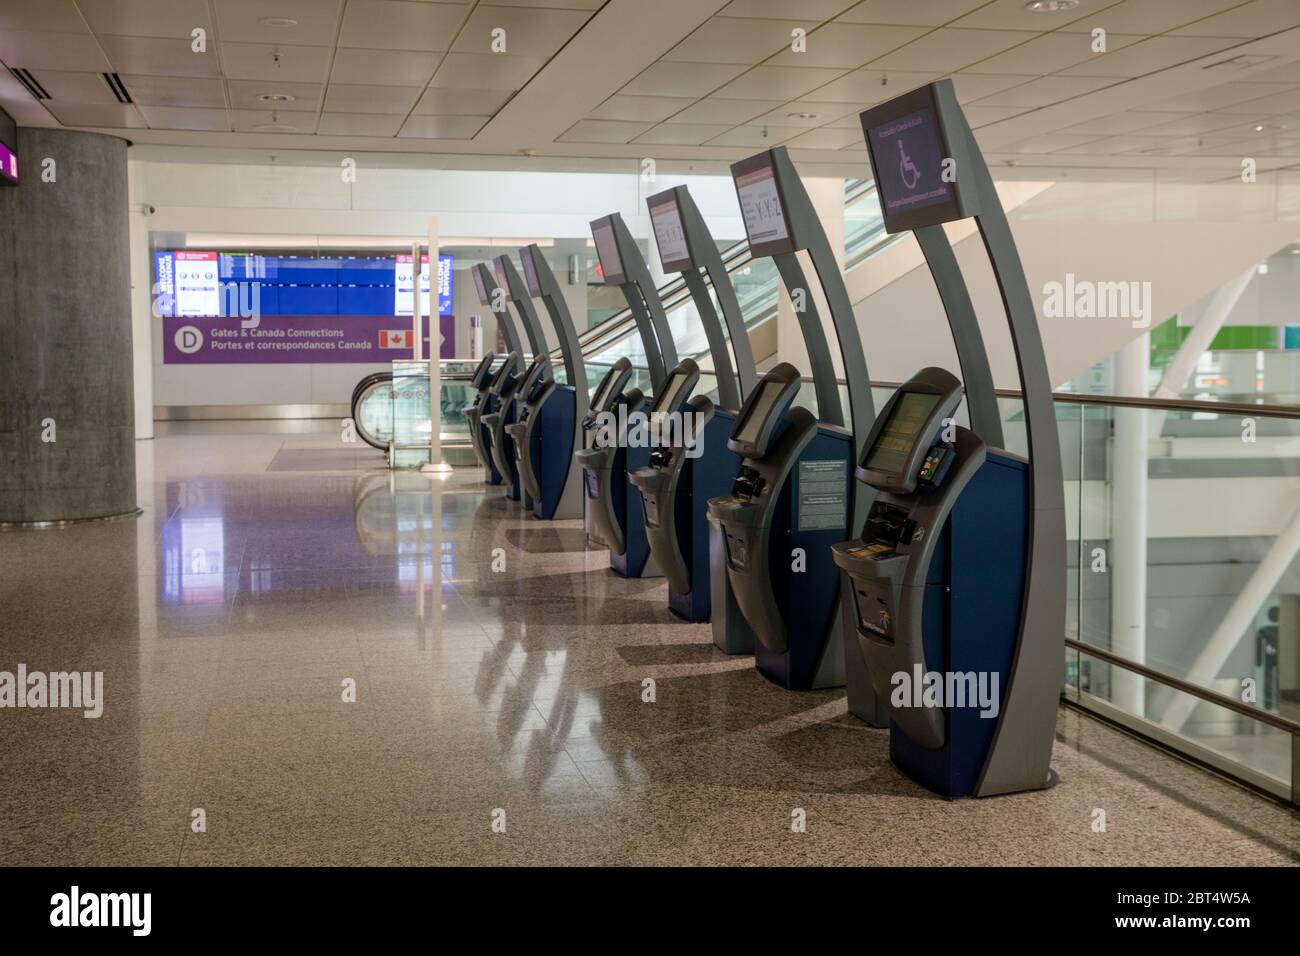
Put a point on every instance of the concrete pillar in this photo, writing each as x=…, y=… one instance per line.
x=67, y=407
x=142, y=318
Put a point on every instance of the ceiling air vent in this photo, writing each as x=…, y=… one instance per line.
x=29, y=82
x=118, y=87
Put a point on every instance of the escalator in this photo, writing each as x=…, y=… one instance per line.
x=370, y=409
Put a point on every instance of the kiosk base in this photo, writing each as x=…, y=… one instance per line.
x=552, y=458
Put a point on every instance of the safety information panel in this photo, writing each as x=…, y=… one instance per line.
x=823, y=494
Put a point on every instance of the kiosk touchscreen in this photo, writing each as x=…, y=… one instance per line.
x=794, y=495
x=549, y=429
x=955, y=588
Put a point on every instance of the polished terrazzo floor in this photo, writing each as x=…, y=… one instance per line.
x=272, y=564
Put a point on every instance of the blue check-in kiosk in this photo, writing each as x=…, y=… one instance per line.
x=954, y=587
x=794, y=495
x=694, y=465
x=548, y=430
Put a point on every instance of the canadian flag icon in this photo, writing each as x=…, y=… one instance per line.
x=394, y=338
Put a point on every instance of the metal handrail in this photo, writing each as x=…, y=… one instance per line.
x=1195, y=690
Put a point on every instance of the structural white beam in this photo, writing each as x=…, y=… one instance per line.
x=1202, y=334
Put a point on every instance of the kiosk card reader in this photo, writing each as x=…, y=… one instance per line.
x=480, y=382
x=607, y=472
x=955, y=589
x=549, y=426
x=794, y=495
x=696, y=464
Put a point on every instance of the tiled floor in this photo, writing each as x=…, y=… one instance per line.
x=228, y=617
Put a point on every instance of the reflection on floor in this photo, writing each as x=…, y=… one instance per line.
x=229, y=617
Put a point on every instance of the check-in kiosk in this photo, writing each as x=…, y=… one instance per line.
x=504, y=384
x=684, y=473
x=480, y=382
x=955, y=590
x=601, y=453
x=549, y=426
x=794, y=495
x=623, y=446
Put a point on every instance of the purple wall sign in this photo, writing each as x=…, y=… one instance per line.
x=295, y=339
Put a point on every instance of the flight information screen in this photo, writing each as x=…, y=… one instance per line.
x=908, y=161
x=670, y=235
x=530, y=271
x=611, y=263
x=760, y=205
x=752, y=426
x=901, y=432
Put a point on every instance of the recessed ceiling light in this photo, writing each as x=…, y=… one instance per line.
x=1050, y=6
x=276, y=97
x=1259, y=129
x=278, y=22
x=804, y=115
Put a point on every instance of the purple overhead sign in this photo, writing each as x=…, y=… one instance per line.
x=294, y=339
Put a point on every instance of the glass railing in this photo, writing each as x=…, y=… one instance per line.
x=393, y=411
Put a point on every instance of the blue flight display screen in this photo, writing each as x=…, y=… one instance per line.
x=909, y=163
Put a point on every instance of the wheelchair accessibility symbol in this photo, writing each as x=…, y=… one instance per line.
x=911, y=175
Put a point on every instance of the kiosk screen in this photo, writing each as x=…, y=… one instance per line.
x=601, y=402
x=760, y=205
x=671, y=394
x=611, y=263
x=666, y=219
x=481, y=373
x=752, y=426
x=901, y=431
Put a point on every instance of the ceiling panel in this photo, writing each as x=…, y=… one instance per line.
x=447, y=102
x=75, y=87
x=1147, y=18
x=867, y=87
x=528, y=32
x=826, y=138
x=442, y=127
x=1045, y=91
x=244, y=95
x=1048, y=54
x=814, y=113
x=921, y=13
x=776, y=82
x=948, y=49
x=350, y=98
x=400, y=25
x=1221, y=97
x=636, y=108
x=52, y=51
x=110, y=115
x=146, y=18
x=603, y=131
x=249, y=121
x=157, y=57
x=486, y=71
x=681, y=79
x=1278, y=103
x=976, y=86
x=725, y=112
x=724, y=40
x=1116, y=123
x=847, y=45
x=979, y=116
x=1013, y=15
x=815, y=10
x=1049, y=142
x=175, y=91
x=1190, y=124
x=315, y=21
x=39, y=15
x=682, y=134
x=168, y=117
x=264, y=61
x=755, y=137
x=1156, y=53
x=359, y=124
x=383, y=67
x=1259, y=18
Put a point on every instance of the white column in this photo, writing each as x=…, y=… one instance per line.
x=1127, y=561
x=1202, y=334
x=142, y=320
x=436, y=466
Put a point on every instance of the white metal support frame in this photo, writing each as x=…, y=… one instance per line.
x=435, y=467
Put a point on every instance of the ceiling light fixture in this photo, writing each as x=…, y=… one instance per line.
x=278, y=22
x=1050, y=6
x=1259, y=129
x=804, y=115
x=276, y=98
